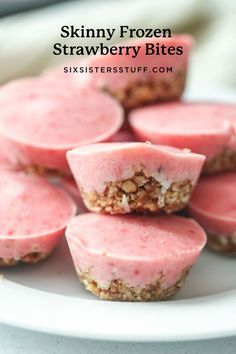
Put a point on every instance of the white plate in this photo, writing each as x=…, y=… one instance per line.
x=48, y=297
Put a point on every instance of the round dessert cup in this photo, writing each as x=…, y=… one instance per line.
x=119, y=178
x=34, y=215
x=47, y=119
x=131, y=257
x=204, y=128
x=213, y=206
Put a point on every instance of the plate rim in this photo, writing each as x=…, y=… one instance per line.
x=63, y=328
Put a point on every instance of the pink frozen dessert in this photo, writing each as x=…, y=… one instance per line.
x=68, y=183
x=144, y=78
x=125, y=177
x=131, y=257
x=34, y=214
x=41, y=120
x=213, y=205
x=205, y=128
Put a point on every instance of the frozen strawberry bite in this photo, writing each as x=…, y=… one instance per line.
x=205, y=128
x=134, y=258
x=139, y=80
x=41, y=120
x=121, y=178
x=213, y=205
x=34, y=215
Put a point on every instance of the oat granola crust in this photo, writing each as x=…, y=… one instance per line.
x=139, y=94
x=222, y=244
x=224, y=161
x=43, y=171
x=119, y=291
x=141, y=193
x=30, y=258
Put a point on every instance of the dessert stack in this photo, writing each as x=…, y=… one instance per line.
x=126, y=152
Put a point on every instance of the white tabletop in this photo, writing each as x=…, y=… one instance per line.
x=17, y=341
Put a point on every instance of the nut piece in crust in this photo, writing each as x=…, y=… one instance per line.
x=119, y=291
x=139, y=94
x=45, y=172
x=30, y=258
x=225, y=161
x=141, y=193
x=222, y=244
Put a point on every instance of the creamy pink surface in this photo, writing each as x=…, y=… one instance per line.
x=70, y=187
x=135, y=249
x=41, y=119
x=94, y=165
x=115, y=81
x=205, y=128
x=33, y=214
x=213, y=204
